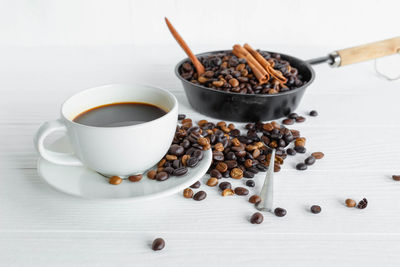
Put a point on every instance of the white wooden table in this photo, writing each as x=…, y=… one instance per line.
x=358, y=129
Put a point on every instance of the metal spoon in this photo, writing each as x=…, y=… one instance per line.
x=267, y=191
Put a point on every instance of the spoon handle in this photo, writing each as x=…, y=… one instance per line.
x=197, y=64
x=267, y=191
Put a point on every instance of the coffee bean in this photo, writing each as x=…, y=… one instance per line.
x=280, y=212
x=300, y=141
x=293, y=116
x=231, y=164
x=192, y=162
x=257, y=218
x=300, y=119
x=180, y=171
x=248, y=174
x=315, y=209
x=301, y=166
x=151, y=174
x=198, y=154
x=318, y=155
x=313, y=113
x=250, y=183
x=236, y=173
x=362, y=204
x=169, y=170
x=201, y=195
x=254, y=199
x=262, y=167
x=350, y=203
x=222, y=167
x=158, y=244
x=115, y=180
x=225, y=185
x=396, y=177
x=227, y=192
x=196, y=185
x=212, y=181
x=300, y=149
x=288, y=121
x=176, y=150
x=241, y=191
x=310, y=160
x=253, y=169
x=135, y=178
x=215, y=173
x=162, y=176
x=188, y=193
x=218, y=155
x=181, y=116
x=291, y=151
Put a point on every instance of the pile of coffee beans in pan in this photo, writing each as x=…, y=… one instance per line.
x=226, y=72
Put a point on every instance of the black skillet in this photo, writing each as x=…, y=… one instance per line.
x=263, y=107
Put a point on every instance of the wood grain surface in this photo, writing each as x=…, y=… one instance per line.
x=357, y=128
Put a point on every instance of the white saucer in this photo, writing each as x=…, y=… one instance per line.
x=85, y=183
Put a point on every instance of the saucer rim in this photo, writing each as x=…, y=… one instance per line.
x=191, y=180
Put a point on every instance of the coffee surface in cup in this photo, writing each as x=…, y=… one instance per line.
x=119, y=114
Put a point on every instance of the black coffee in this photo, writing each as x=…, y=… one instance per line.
x=119, y=114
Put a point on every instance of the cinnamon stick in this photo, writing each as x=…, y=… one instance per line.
x=258, y=70
x=267, y=66
x=197, y=64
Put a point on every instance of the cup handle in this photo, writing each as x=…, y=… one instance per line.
x=55, y=157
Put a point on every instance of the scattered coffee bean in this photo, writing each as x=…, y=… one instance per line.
x=293, y=116
x=158, y=244
x=225, y=185
x=291, y=151
x=300, y=119
x=180, y=171
x=248, y=174
x=151, y=174
x=188, y=193
x=227, y=192
x=257, y=218
x=309, y=161
x=196, y=185
x=115, y=180
x=288, y=121
x=192, y=162
x=212, y=181
x=315, y=209
x=350, y=203
x=300, y=149
x=362, y=204
x=135, y=178
x=313, y=113
x=396, y=177
x=181, y=116
x=241, y=191
x=250, y=183
x=301, y=166
x=236, y=173
x=201, y=195
x=162, y=176
x=280, y=212
x=254, y=199
x=318, y=155
x=215, y=173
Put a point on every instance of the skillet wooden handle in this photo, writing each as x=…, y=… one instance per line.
x=369, y=51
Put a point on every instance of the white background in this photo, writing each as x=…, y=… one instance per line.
x=52, y=49
x=104, y=22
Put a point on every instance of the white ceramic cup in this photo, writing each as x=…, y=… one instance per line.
x=120, y=151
